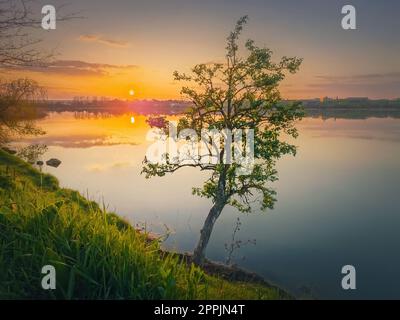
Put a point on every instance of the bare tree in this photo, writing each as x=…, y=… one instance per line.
x=17, y=21
x=18, y=102
x=18, y=48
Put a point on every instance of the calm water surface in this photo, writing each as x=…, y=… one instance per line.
x=338, y=200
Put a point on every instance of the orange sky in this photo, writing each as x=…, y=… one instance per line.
x=125, y=45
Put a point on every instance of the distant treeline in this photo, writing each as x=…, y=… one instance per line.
x=352, y=112
x=355, y=108
x=119, y=106
x=352, y=108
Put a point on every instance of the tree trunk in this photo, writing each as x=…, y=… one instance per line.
x=205, y=233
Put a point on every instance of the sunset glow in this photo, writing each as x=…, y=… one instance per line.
x=98, y=57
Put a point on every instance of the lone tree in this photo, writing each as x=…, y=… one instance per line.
x=238, y=94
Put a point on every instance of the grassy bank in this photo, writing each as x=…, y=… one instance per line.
x=96, y=254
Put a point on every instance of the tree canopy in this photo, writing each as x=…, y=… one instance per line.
x=240, y=93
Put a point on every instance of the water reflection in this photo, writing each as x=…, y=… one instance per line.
x=83, y=130
x=337, y=200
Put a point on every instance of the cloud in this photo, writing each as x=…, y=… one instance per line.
x=372, y=85
x=76, y=68
x=81, y=141
x=96, y=167
x=362, y=78
x=106, y=41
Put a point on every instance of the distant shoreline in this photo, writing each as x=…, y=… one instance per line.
x=352, y=108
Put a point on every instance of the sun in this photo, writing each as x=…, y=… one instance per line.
x=131, y=92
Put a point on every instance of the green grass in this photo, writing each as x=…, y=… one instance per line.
x=96, y=254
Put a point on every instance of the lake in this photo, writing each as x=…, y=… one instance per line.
x=338, y=200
